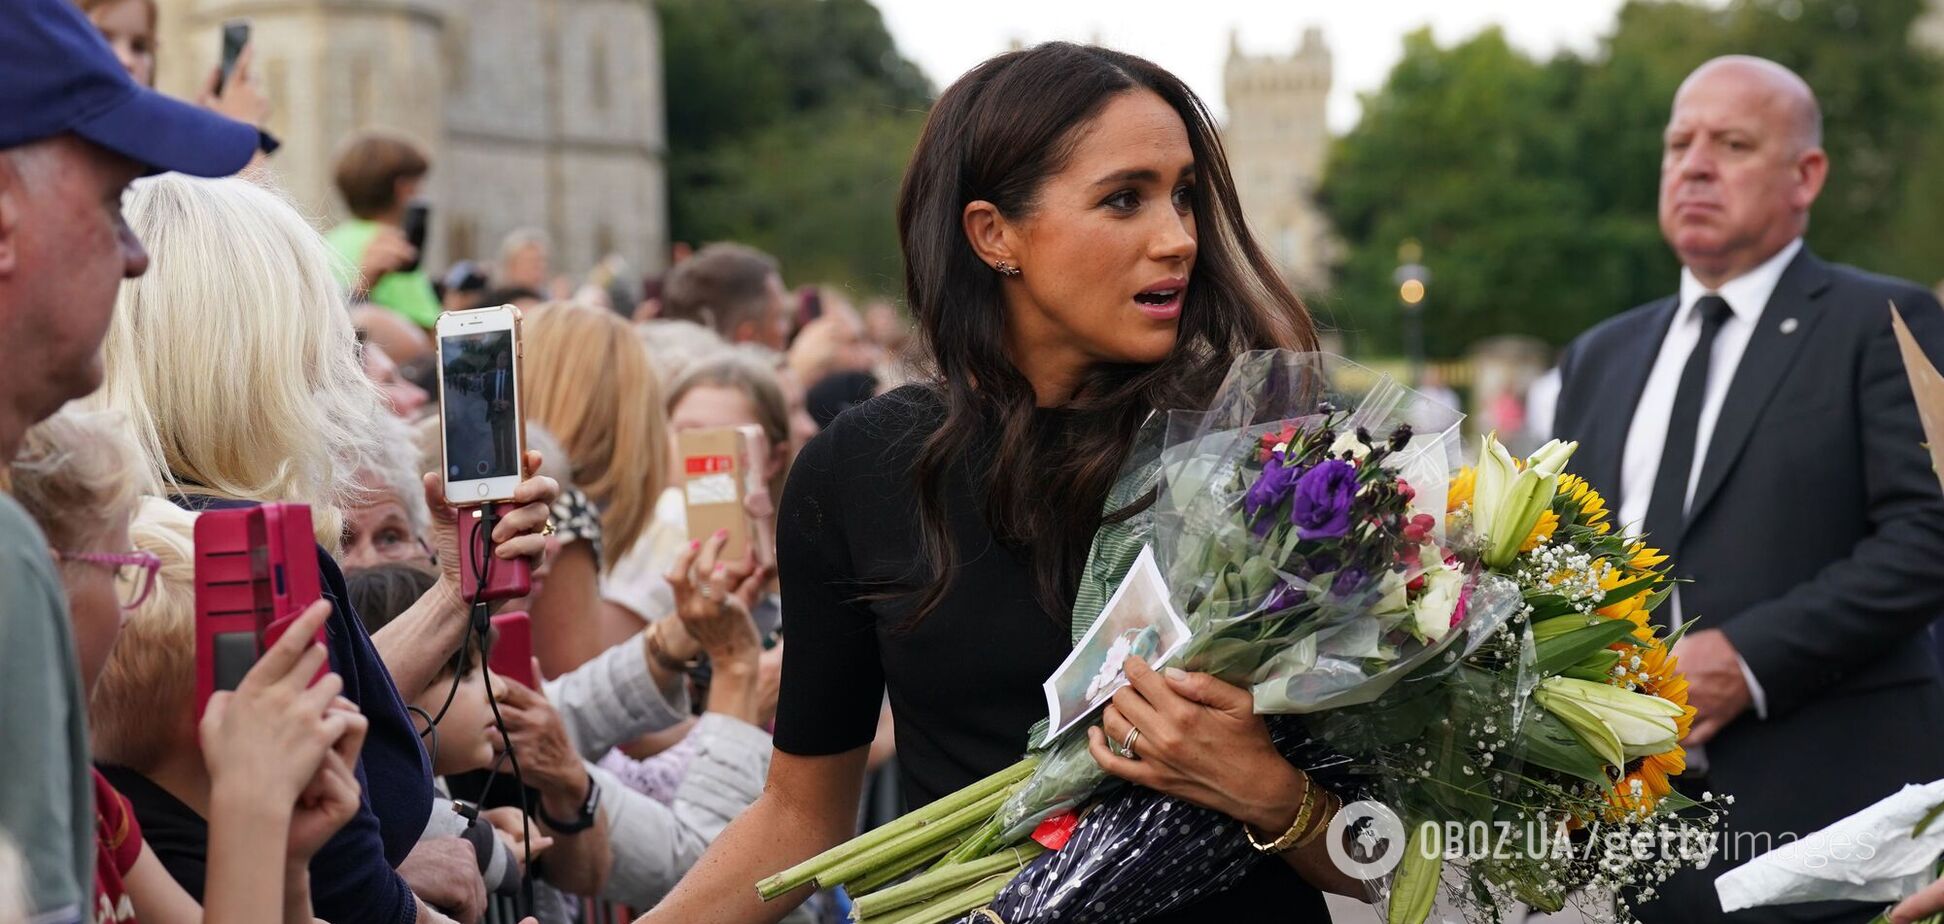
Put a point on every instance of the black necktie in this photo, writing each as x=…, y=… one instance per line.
x=1667, y=508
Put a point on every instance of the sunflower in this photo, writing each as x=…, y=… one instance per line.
x=1658, y=675
x=1633, y=609
x=1460, y=492
x=1541, y=531
x=1579, y=495
x=1642, y=558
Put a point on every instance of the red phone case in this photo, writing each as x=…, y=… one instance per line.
x=256, y=571
x=505, y=579
x=512, y=652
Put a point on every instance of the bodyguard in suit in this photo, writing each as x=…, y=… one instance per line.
x=1759, y=427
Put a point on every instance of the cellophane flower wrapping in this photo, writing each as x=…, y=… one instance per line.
x=1300, y=523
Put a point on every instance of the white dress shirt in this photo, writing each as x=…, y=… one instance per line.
x=1747, y=297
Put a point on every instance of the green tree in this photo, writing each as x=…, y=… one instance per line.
x=789, y=122
x=1533, y=185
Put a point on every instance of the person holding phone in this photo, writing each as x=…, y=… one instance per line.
x=381, y=175
x=232, y=88
x=236, y=405
x=76, y=476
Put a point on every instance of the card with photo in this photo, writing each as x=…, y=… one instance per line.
x=1139, y=619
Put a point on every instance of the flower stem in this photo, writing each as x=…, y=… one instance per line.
x=811, y=870
x=949, y=879
x=946, y=907
x=915, y=841
x=883, y=874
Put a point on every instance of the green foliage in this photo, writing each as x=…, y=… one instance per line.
x=789, y=122
x=1532, y=185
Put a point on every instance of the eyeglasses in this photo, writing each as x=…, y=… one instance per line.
x=134, y=572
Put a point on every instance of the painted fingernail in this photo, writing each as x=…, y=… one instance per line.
x=696, y=545
x=722, y=534
x=720, y=568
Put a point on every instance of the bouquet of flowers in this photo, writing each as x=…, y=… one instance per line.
x=1473, y=652
x=1539, y=770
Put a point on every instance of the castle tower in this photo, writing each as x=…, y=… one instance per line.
x=1277, y=139
x=540, y=113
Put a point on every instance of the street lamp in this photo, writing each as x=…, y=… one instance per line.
x=1411, y=278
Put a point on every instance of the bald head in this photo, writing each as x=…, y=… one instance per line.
x=1741, y=165
x=1782, y=94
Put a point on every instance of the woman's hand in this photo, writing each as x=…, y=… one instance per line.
x=520, y=532
x=272, y=732
x=1929, y=900
x=1200, y=741
x=713, y=600
x=240, y=99
x=332, y=796
x=539, y=740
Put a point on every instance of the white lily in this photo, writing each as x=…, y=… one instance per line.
x=1629, y=725
x=1507, y=502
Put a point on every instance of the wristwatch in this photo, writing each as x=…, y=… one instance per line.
x=581, y=822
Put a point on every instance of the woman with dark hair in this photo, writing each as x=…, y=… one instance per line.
x=1076, y=259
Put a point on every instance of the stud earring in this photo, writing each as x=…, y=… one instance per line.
x=1006, y=269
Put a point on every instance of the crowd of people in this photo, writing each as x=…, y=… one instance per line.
x=187, y=343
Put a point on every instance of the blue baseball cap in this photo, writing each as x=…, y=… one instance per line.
x=58, y=75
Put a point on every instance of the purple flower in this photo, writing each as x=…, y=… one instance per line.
x=1271, y=488
x=1323, y=497
x=1282, y=598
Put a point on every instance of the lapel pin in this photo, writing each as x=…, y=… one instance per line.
x=1789, y=326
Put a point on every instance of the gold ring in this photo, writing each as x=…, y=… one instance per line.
x=1127, y=743
x=548, y=529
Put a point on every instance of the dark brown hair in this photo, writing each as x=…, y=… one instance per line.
x=721, y=286
x=382, y=593
x=996, y=135
x=369, y=167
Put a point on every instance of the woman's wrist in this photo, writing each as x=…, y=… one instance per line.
x=1271, y=807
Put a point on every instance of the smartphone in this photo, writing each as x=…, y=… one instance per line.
x=482, y=429
x=512, y=652
x=236, y=34
x=255, y=572
x=723, y=486
x=417, y=214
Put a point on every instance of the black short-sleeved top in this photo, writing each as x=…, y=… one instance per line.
x=964, y=683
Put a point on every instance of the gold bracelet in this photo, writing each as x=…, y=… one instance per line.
x=1296, y=827
x=661, y=656
x=1332, y=804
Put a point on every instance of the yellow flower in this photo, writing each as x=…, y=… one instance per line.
x=1633, y=608
x=1592, y=507
x=1642, y=558
x=1460, y=492
x=1541, y=531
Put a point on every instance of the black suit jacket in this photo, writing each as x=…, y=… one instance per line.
x=1815, y=539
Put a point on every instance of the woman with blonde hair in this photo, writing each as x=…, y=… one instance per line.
x=589, y=381
x=235, y=363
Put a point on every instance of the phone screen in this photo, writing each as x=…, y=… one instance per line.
x=481, y=421
x=236, y=34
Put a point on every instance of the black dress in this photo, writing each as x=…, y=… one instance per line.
x=964, y=684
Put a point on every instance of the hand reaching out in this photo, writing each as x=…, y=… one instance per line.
x=271, y=734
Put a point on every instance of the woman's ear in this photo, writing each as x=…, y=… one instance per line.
x=991, y=235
